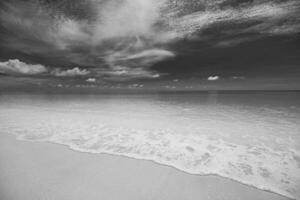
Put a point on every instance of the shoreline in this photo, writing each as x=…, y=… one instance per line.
x=161, y=164
x=238, y=189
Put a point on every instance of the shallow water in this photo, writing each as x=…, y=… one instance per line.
x=251, y=137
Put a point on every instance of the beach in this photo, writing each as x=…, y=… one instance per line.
x=149, y=100
x=32, y=170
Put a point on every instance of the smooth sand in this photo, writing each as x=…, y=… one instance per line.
x=38, y=171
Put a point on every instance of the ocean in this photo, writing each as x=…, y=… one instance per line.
x=249, y=136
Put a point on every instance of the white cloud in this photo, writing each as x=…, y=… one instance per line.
x=91, y=80
x=238, y=77
x=70, y=72
x=143, y=58
x=129, y=18
x=155, y=76
x=213, y=78
x=15, y=66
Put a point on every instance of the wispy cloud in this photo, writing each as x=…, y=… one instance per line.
x=266, y=17
x=142, y=58
x=123, y=73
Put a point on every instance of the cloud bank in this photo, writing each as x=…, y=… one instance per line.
x=17, y=67
x=14, y=66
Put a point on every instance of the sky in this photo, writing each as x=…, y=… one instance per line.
x=148, y=44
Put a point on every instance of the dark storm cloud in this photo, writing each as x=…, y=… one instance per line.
x=121, y=40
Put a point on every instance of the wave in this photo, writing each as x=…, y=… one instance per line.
x=257, y=166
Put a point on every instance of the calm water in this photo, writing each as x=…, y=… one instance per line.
x=250, y=137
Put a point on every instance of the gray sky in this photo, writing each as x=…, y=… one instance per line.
x=138, y=44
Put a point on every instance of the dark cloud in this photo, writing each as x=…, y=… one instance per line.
x=132, y=39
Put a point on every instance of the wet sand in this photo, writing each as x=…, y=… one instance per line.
x=38, y=171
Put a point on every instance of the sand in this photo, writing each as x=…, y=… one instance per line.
x=38, y=171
